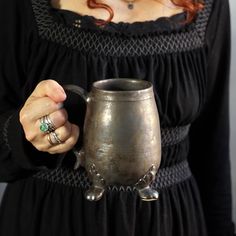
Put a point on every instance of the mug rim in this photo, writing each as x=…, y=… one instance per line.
x=146, y=85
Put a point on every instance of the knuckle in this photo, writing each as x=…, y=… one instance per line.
x=41, y=148
x=65, y=135
x=49, y=84
x=45, y=84
x=62, y=116
x=68, y=143
x=30, y=136
x=25, y=118
x=41, y=84
x=73, y=138
x=50, y=81
x=49, y=104
x=71, y=141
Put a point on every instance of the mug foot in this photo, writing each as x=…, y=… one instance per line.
x=94, y=193
x=148, y=194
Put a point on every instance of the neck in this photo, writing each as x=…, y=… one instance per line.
x=143, y=9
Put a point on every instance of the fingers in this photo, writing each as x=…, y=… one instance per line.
x=43, y=113
x=57, y=118
x=63, y=133
x=37, y=108
x=70, y=136
x=51, y=89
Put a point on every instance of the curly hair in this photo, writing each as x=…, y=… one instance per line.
x=191, y=7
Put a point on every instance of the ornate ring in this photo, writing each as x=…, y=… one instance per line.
x=53, y=138
x=46, y=124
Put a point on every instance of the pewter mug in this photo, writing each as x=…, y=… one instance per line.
x=122, y=141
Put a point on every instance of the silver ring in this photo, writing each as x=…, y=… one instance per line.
x=53, y=138
x=46, y=125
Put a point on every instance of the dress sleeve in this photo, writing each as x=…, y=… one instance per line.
x=209, y=136
x=18, y=158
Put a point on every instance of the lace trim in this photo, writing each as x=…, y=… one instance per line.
x=109, y=45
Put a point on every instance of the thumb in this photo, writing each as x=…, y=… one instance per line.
x=51, y=89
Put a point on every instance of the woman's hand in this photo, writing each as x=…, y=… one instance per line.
x=46, y=100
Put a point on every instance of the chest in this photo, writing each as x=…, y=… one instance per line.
x=141, y=10
x=179, y=80
x=173, y=61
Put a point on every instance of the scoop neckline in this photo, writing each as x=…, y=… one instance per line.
x=53, y=28
x=163, y=24
x=112, y=22
x=120, y=22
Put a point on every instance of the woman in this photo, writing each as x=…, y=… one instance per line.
x=182, y=47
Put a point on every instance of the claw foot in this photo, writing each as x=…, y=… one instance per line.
x=143, y=185
x=94, y=193
x=148, y=194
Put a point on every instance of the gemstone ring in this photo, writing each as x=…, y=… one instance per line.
x=46, y=124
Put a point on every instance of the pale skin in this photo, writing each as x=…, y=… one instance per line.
x=143, y=9
x=48, y=96
x=47, y=99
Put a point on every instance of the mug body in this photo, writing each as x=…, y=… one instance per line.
x=122, y=131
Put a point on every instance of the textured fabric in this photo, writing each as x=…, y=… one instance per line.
x=172, y=136
x=188, y=66
x=192, y=37
x=165, y=177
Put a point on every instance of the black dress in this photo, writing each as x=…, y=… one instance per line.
x=189, y=68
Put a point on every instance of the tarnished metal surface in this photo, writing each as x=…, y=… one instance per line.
x=121, y=132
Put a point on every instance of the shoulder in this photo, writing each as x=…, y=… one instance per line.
x=216, y=6
x=219, y=12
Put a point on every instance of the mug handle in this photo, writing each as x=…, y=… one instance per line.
x=77, y=90
x=80, y=154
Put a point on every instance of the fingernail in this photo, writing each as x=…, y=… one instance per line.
x=63, y=92
x=60, y=105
